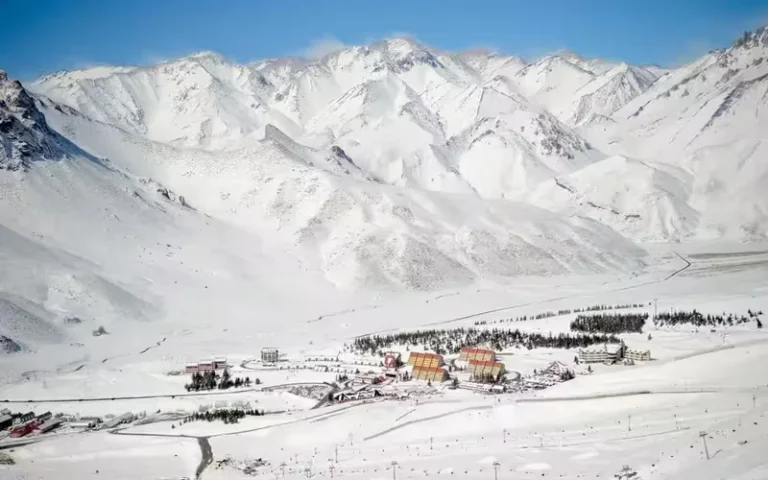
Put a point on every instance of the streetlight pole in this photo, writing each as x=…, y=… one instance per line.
x=282, y=469
x=505, y=435
x=394, y=469
x=496, y=465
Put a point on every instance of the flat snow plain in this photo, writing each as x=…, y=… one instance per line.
x=648, y=417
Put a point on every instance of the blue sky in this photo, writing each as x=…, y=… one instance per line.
x=46, y=35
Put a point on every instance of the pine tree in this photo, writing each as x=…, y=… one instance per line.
x=225, y=380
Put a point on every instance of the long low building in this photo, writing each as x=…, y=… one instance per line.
x=115, y=421
x=611, y=352
x=83, y=423
x=49, y=425
x=638, y=355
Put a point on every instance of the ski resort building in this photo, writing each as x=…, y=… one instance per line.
x=423, y=359
x=611, y=352
x=269, y=355
x=219, y=363
x=467, y=354
x=83, y=423
x=23, y=429
x=115, y=421
x=431, y=374
x=191, y=368
x=483, y=370
x=557, y=369
x=24, y=417
x=5, y=421
x=44, y=417
x=205, y=366
x=49, y=425
x=638, y=355
x=392, y=360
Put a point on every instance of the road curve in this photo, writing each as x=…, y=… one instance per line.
x=207, y=455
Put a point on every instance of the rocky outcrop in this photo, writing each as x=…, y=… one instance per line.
x=24, y=134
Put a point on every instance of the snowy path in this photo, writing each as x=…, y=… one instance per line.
x=577, y=398
x=206, y=451
x=134, y=397
x=206, y=455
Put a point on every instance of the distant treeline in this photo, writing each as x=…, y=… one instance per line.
x=211, y=381
x=610, y=323
x=226, y=415
x=452, y=340
x=697, y=319
x=548, y=314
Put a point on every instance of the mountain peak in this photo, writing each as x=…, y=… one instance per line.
x=567, y=55
x=202, y=56
x=205, y=54
x=397, y=48
x=753, y=39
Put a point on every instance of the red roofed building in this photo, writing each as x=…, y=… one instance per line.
x=483, y=371
x=24, y=429
x=467, y=354
x=423, y=359
x=432, y=374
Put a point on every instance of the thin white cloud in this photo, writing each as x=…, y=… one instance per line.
x=322, y=47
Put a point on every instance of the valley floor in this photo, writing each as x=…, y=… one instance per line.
x=654, y=417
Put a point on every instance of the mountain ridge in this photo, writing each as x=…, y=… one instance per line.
x=328, y=154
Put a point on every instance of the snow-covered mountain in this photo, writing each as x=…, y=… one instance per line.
x=707, y=119
x=124, y=226
x=397, y=164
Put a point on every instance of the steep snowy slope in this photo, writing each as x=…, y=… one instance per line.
x=506, y=155
x=200, y=100
x=83, y=245
x=552, y=81
x=489, y=64
x=597, y=66
x=607, y=93
x=708, y=118
x=361, y=233
x=278, y=71
x=638, y=199
x=480, y=124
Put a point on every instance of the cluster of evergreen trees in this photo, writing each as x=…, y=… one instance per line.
x=565, y=311
x=697, y=319
x=610, y=323
x=598, y=308
x=227, y=415
x=451, y=341
x=211, y=381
